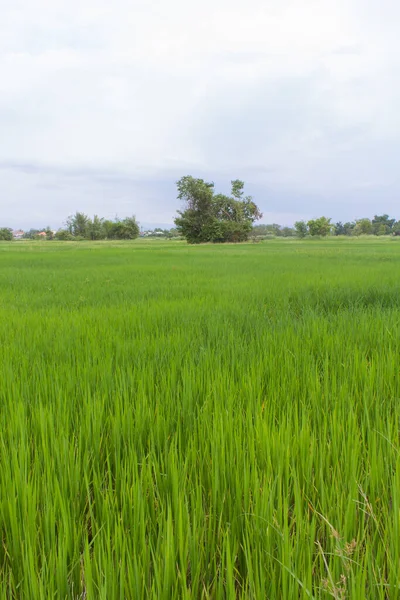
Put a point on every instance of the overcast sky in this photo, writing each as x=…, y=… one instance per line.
x=104, y=105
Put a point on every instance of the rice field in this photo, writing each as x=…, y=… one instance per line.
x=200, y=422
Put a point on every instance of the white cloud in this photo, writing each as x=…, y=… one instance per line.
x=307, y=90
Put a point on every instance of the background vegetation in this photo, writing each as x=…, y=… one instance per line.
x=210, y=217
x=200, y=422
x=207, y=217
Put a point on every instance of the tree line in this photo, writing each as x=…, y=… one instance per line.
x=322, y=227
x=210, y=217
x=81, y=227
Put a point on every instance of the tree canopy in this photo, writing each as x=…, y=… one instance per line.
x=210, y=217
x=80, y=226
x=321, y=226
x=5, y=234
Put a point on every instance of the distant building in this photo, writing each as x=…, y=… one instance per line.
x=17, y=235
x=151, y=233
x=42, y=234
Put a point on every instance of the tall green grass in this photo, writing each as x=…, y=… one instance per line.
x=208, y=422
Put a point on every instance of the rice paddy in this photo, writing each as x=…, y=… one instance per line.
x=200, y=422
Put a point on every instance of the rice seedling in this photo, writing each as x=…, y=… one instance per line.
x=200, y=422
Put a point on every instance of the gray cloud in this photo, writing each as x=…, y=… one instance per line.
x=103, y=107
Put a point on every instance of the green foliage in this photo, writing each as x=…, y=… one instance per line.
x=301, y=229
x=173, y=233
x=95, y=229
x=265, y=231
x=319, y=227
x=210, y=217
x=107, y=228
x=287, y=232
x=349, y=228
x=64, y=235
x=339, y=228
x=49, y=233
x=31, y=234
x=396, y=228
x=382, y=225
x=80, y=226
x=237, y=187
x=363, y=227
x=126, y=229
x=344, y=228
x=6, y=234
x=200, y=423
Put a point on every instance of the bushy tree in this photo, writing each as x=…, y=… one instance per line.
x=339, y=228
x=209, y=217
x=108, y=229
x=287, y=232
x=262, y=230
x=125, y=229
x=321, y=227
x=195, y=222
x=396, y=228
x=273, y=229
x=349, y=227
x=344, y=228
x=77, y=224
x=173, y=233
x=363, y=227
x=301, y=229
x=6, y=234
x=382, y=225
x=80, y=226
x=94, y=228
x=63, y=235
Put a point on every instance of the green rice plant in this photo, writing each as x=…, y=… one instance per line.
x=200, y=423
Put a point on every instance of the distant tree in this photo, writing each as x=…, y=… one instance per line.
x=49, y=233
x=381, y=229
x=349, y=227
x=63, y=235
x=339, y=228
x=209, y=217
x=287, y=232
x=95, y=229
x=396, y=228
x=31, y=234
x=6, y=234
x=301, y=229
x=321, y=227
x=108, y=228
x=195, y=222
x=126, y=229
x=382, y=225
x=273, y=229
x=261, y=231
x=362, y=227
x=77, y=224
x=80, y=226
x=173, y=233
